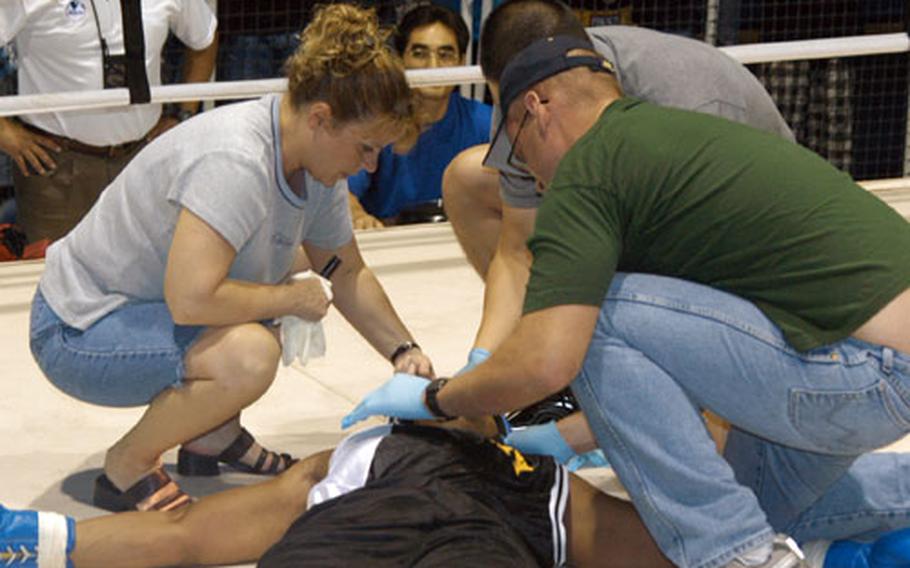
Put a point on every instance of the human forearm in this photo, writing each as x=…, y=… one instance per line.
x=506, y=278
x=236, y=301
x=505, y=382
x=198, y=68
x=516, y=375
x=503, y=298
x=362, y=301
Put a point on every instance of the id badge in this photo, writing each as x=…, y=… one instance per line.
x=114, y=70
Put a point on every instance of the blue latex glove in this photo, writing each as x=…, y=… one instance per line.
x=594, y=458
x=891, y=550
x=541, y=439
x=477, y=356
x=400, y=397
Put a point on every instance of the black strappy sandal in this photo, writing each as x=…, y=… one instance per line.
x=193, y=464
x=154, y=492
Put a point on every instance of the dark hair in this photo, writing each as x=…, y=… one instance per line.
x=426, y=15
x=516, y=24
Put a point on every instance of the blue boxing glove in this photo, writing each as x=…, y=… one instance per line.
x=891, y=550
x=400, y=397
x=32, y=538
x=477, y=356
x=541, y=439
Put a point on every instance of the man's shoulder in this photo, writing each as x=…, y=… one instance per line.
x=634, y=38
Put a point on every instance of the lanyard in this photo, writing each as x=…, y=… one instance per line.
x=104, y=51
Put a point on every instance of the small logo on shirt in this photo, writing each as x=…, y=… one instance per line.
x=75, y=9
x=281, y=240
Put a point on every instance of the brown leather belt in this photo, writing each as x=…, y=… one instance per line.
x=112, y=151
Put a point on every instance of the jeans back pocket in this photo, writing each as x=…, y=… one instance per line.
x=849, y=422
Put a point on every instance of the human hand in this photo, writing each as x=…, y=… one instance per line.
x=400, y=397
x=164, y=124
x=477, y=356
x=311, y=301
x=541, y=439
x=27, y=148
x=366, y=221
x=414, y=362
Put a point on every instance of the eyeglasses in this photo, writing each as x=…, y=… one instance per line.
x=445, y=55
x=513, y=160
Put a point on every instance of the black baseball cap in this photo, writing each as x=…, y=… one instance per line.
x=540, y=60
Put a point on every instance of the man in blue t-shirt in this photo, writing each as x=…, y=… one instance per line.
x=404, y=185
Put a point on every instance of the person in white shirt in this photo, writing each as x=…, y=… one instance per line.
x=65, y=159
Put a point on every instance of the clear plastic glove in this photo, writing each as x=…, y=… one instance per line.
x=477, y=356
x=541, y=439
x=302, y=339
x=400, y=397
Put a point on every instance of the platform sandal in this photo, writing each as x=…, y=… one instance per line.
x=194, y=464
x=154, y=492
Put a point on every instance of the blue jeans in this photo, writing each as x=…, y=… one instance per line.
x=664, y=349
x=124, y=359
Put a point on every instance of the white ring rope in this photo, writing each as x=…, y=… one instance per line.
x=750, y=53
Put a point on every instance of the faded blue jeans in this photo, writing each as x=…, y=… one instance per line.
x=664, y=349
x=124, y=359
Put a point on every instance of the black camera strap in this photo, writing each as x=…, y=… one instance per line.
x=134, y=43
x=105, y=52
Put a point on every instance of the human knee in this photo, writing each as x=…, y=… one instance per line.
x=252, y=356
x=465, y=182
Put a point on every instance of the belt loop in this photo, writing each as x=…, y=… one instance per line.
x=887, y=360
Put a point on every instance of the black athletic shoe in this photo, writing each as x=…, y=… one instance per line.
x=554, y=407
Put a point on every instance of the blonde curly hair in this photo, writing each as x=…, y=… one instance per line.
x=344, y=61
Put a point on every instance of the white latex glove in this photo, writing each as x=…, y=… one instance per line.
x=302, y=339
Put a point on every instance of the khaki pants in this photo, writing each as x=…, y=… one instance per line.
x=50, y=206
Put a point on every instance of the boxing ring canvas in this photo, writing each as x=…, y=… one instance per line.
x=53, y=445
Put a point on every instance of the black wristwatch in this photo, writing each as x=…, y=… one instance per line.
x=430, y=397
x=402, y=349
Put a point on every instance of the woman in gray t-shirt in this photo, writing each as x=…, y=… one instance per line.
x=163, y=293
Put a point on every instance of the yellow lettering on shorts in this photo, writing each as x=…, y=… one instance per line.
x=519, y=463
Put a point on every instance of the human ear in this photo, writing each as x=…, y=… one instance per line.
x=320, y=116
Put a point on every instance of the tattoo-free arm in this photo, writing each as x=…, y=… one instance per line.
x=198, y=291
x=506, y=278
x=540, y=357
x=360, y=298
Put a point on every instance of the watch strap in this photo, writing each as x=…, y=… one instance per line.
x=402, y=349
x=431, y=397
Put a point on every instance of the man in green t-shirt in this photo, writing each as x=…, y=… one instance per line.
x=757, y=282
